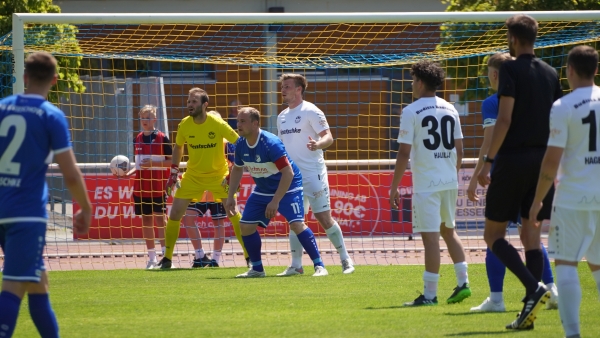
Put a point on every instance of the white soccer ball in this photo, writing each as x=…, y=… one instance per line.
x=119, y=165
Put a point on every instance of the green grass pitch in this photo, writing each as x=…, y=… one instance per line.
x=211, y=303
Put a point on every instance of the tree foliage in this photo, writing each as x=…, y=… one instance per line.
x=469, y=72
x=54, y=36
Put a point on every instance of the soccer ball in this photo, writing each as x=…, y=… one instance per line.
x=119, y=165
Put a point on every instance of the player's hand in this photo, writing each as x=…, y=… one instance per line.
x=395, y=199
x=312, y=144
x=472, y=190
x=230, y=206
x=146, y=163
x=534, y=211
x=484, y=175
x=271, y=210
x=173, y=180
x=81, y=222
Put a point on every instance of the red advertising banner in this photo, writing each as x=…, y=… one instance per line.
x=359, y=202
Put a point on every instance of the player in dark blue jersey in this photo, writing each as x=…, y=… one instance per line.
x=278, y=188
x=31, y=131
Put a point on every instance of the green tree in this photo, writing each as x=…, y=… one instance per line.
x=470, y=71
x=58, y=37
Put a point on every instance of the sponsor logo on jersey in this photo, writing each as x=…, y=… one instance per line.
x=211, y=135
x=291, y=131
x=203, y=146
x=402, y=132
x=256, y=170
x=298, y=119
x=192, y=136
x=257, y=158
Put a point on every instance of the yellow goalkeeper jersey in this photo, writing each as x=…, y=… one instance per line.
x=205, y=143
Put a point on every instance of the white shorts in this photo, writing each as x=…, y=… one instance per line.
x=316, y=192
x=431, y=209
x=574, y=234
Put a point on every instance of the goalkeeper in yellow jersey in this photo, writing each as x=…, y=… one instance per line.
x=206, y=166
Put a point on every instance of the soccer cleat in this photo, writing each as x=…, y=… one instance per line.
x=165, y=263
x=489, y=306
x=291, y=271
x=552, y=303
x=460, y=293
x=204, y=262
x=212, y=264
x=422, y=301
x=152, y=264
x=347, y=266
x=532, y=305
x=320, y=271
x=251, y=274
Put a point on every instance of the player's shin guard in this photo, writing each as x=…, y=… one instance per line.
x=254, y=244
x=9, y=311
x=235, y=222
x=171, y=235
x=296, y=249
x=569, y=290
x=337, y=238
x=42, y=315
x=307, y=238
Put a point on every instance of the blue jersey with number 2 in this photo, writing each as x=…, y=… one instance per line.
x=31, y=130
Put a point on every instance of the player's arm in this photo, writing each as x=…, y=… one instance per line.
x=326, y=139
x=287, y=175
x=505, y=110
x=175, y=161
x=485, y=146
x=405, y=139
x=318, y=122
x=458, y=143
x=76, y=185
x=132, y=170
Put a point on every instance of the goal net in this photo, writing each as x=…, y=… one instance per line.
x=357, y=67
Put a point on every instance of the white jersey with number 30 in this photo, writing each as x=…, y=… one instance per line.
x=430, y=125
x=294, y=127
x=574, y=127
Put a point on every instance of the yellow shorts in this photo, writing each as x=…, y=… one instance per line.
x=193, y=188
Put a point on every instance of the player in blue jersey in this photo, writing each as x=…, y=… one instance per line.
x=31, y=131
x=495, y=269
x=278, y=188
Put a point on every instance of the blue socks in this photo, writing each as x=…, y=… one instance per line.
x=253, y=245
x=307, y=239
x=547, y=276
x=495, y=271
x=42, y=315
x=9, y=311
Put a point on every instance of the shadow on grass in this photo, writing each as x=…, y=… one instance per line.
x=477, y=333
x=466, y=313
x=388, y=307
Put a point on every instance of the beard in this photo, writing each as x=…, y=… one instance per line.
x=511, y=48
x=196, y=112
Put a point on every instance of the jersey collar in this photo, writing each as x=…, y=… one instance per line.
x=257, y=139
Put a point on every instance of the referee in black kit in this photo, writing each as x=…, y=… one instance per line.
x=528, y=87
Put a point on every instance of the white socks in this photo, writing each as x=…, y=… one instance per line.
x=461, y=273
x=337, y=238
x=152, y=255
x=431, y=284
x=496, y=297
x=569, y=289
x=199, y=253
x=216, y=255
x=296, y=249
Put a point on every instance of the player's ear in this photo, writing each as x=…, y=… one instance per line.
x=54, y=79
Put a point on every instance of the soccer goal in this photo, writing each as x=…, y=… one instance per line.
x=357, y=67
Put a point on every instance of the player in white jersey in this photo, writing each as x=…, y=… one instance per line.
x=305, y=132
x=430, y=135
x=573, y=153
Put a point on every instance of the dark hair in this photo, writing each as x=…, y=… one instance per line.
x=253, y=112
x=429, y=72
x=40, y=67
x=584, y=60
x=523, y=28
x=496, y=60
x=299, y=80
x=200, y=92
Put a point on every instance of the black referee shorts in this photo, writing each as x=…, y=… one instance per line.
x=512, y=190
x=147, y=206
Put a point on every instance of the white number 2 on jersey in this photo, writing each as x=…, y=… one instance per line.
x=7, y=166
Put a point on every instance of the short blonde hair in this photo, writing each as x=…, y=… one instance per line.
x=150, y=109
x=253, y=112
x=200, y=92
x=299, y=80
x=215, y=114
x=496, y=60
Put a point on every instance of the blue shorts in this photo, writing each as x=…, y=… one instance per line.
x=23, y=245
x=291, y=207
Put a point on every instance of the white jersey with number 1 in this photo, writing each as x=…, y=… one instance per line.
x=431, y=125
x=294, y=127
x=574, y=127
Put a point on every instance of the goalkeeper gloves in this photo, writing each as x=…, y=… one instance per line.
x=173, y=181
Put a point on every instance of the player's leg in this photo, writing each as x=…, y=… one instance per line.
x=24, y=271
x=142, y=208
x=159, y=209
x=254, y=215
x=495, y=273
x=217, y=211
x=548, y=280
x=178, y=209
x=189, y=221
x=296, y=249
x=426, y=220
